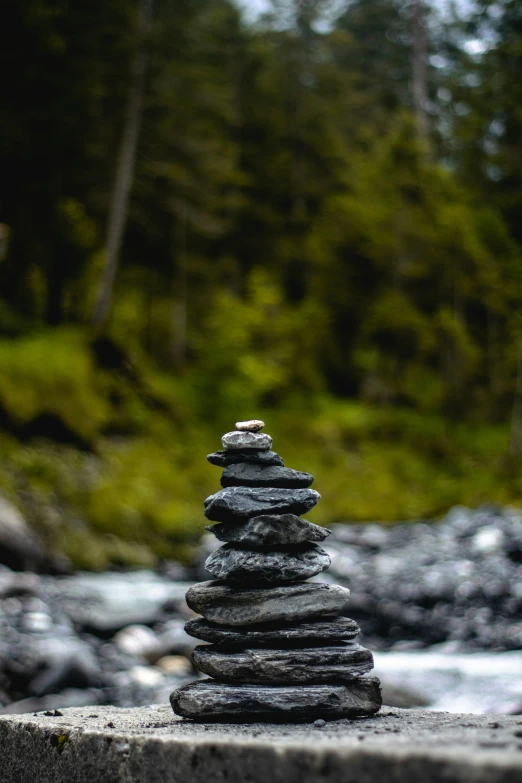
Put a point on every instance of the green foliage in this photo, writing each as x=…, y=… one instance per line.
x=141, y=498
x=254, y=350
x=52, y=373
x=293, y=249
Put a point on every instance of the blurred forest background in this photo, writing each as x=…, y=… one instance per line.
x=312, y=217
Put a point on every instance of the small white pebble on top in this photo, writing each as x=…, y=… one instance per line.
x=252, y=425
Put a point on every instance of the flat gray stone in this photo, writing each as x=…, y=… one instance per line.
x=252, y=425
x=226, y=605
x=225, y=457
x=134, y=745
x=270, y=530
x=237, y=503
x=342, y=662
x=215, y=700
x=244, y=474
x=336, y=629
x=237, y=563
x=246, y=440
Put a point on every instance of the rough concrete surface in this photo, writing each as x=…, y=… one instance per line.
x=151, y=745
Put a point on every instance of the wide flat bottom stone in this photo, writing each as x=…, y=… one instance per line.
x=151, y=745
x=211, y=700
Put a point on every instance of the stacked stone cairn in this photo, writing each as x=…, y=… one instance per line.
x=280, y=648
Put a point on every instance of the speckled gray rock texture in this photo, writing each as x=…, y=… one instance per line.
x=244, y=474
x=226, y=605
x=152, y=745
x=240, y=564
x=237, y=503
x=251, y=425
x=343, y=662
x=275, y=634
x=246, y=440
x=225, y=457
x=270, y=530
x=216, y=700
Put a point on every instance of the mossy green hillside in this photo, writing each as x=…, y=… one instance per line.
x=134, y=490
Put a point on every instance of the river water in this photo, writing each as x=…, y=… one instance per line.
x=483, y=682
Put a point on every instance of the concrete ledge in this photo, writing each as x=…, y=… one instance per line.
x=151, y=745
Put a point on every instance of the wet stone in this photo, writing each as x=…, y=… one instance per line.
x=225, y=457
x=248, y=475
x=236, y=563
x=237, y=503
x=343, y=662
x=270, y=530
x=252, y=425
x=269, y=634
x=234, y=606
x=246, y=440
x=211, y=700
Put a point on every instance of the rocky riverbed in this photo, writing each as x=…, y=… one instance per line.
x=441, y=603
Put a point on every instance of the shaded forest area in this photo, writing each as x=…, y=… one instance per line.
x=313, y=218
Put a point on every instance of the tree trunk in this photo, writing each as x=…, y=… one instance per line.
x=419, y=68
x=124, y=171
x=515, y=437
x=178, y=346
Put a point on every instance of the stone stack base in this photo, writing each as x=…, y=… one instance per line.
x=151, y=745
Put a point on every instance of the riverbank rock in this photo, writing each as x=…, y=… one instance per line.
x=20, y=548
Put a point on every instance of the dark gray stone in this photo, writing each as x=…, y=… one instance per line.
x=226, y=457
x=226, y=605
x=394, y=695
x=270, y=530
x=244, y=474
x=237, y=563
x=213, y=700
x=433, y=599
x=237, y=503
x=246, y=440
x=20, y=549
x=274, y=634
x=114, y=745
x=342, y=662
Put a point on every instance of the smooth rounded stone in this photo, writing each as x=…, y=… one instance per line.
x=270, y=530
x=237, y=503
x=268, y=634
x=244, y=475
x=343, y=662
x=226, y=605
x=211, y=700
x=225, y=457
x=236, y=563
x=252, y=425
x=246, y=440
